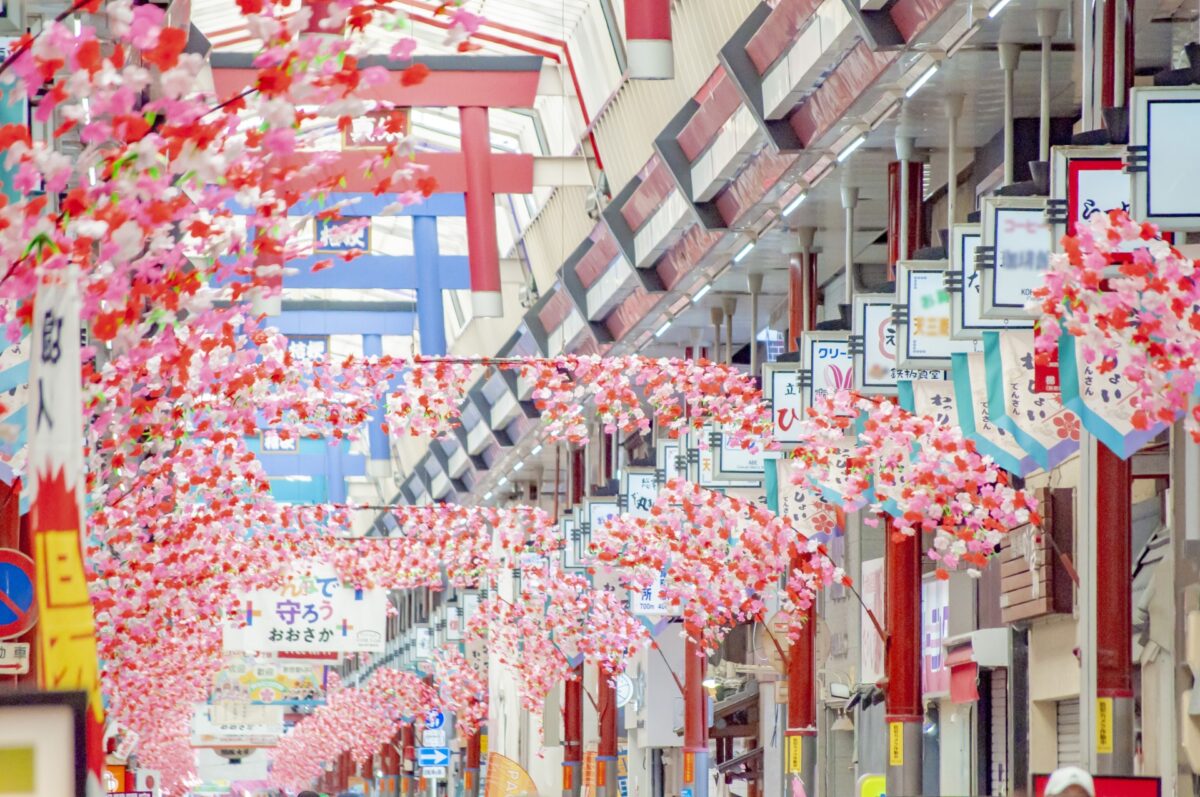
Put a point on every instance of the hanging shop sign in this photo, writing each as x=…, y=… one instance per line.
x=811, y=517
x=597, y=512
x=1041, y=425
x=733, y=463
x=639, y=491
x=705, y=455
x=935, y=627
x=210, y=730
x=1085, y=181
x=1103, y=402
x=873, y=345
x=365, y=133
x=339, y=236
x=671, y=459
x=1013, y=255
x=650, y=601
x=781, y=389
x=248, y=679
x=1163, y=156
x=827, y=366
x=572, y=554
x=311, y=613
x=922, y=315
x=969, y=373
x=964, y=283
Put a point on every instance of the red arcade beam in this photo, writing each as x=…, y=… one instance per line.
x=511, y=173
x=471, y=83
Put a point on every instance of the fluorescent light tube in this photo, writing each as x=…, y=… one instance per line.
x=848, y=151
x=921, y=81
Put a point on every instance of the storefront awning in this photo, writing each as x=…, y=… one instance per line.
x=964, y=675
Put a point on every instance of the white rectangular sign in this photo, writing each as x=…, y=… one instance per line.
x=311, y=613
x=14, y=658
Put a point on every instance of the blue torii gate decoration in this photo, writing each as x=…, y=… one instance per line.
x=427, y=270
x=325, y=467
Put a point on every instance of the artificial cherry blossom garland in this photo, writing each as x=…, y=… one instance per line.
x=1134, y=315
x=937, y=481
x=720, y=554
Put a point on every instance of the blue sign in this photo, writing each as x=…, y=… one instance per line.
x=434, y=719
x=433, y=756
x=18, y=604
x=342, y=235
x=685, y=792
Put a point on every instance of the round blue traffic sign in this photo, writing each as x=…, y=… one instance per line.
x=18, y=599
x=434, y=719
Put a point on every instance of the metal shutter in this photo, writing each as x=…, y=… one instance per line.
x=998, y=741
x=1068, y=732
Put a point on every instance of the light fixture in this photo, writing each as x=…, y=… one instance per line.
x=536, y=450
x=744, y=253
x=503, y=481
x=487, y=496
x=710, y=682
x=995, y=10
x=519, y=465
x=700, y=293
x=921, y=81
x=795, y=203
x=663, y=329
x=849, y=150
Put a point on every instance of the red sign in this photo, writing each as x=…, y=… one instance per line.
x=1111, y=786
x=1045, y=368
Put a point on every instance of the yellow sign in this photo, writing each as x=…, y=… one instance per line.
x=622, y=765
x=506, y=778
x=483, y=744
x=689, y=768
x=1104, y=725
x=795, y=754
x=872, y=786
x=589, y=769
x=896, y=744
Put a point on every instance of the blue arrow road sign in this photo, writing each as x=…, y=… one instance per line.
x=433, y=756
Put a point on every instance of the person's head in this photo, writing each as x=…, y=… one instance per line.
x=1070, y=782
x=308, y=793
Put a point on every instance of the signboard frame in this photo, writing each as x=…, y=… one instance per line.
x=1144, y=103
x=906, y=271
x=810, y=346
x=965, y=240
x=775, y=378
x=988, y=255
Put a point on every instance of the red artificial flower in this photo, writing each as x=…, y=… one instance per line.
x=165, y=54
x=414, y=75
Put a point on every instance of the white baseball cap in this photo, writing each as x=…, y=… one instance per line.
x=1064, y=778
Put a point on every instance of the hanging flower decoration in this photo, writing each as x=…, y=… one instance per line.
x=462, y=689
x=720, y=554
x=355, y=720
x=1134, y=315
x=929, y=476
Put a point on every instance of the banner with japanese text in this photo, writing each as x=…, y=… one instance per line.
x=312, y=613
x=969, y=374
x=1041, y=425
x=66, y=639
x=1103, y=401
x=248, y=679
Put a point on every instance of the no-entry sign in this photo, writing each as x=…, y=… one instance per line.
x=18, y=600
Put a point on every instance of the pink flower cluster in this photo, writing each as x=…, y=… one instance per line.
x=721, y=555
x=930, y=475
x=1130, y=299
x=355, y=720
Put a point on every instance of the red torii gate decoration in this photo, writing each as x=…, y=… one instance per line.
x=471, y=83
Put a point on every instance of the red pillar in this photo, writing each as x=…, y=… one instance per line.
x=915, y=216
x=797, y=266
x=802, y=702
x=648, y=39
x=695, y=718
x=606, y=751
x=573, y=734
x=1114, y=606
x=408, y=759
x=480, y=203
x=902, y=574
